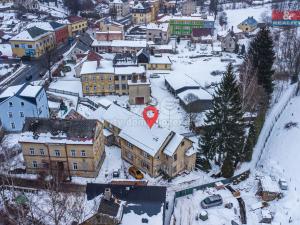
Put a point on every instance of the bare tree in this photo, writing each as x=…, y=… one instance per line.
x=189, y=99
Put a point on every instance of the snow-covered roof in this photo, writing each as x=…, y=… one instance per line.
x=269, y=185
x=117, y=116
x=197, y=93
x=49, y=138
x=121, y=43
x=31, y=34
x=177, y=82
x=5, y=49
x=128, y=70
x=22, y=90
x=135, y=130
x=185, y=18
x=31, y=91
x=153, y=26
x=160, y=60
x=91, y=67
x=173, y=144
x=11, y=91
x=49, y=26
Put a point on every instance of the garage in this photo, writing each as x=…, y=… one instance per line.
x=139, y=100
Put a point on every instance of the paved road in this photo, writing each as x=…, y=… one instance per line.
x=35, y=67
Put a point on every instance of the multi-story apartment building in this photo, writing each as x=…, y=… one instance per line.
x=141, y=13
x=102, y=78
x=184, y=25
x=158, y=33
x=107, y=24
x=21, y=101
x=77, y=25
x=119, y=8
x=32, y=42
x=60, y=30
x=154, y=151
x=117, y=46
x=188, y=7
x=63, y=147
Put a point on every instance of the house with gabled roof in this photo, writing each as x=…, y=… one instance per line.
x=248, y=25
x=60, y=30
x=32, y=42
x=155, y=151
x=19, y=102
x=62, y=147
x=127, y=204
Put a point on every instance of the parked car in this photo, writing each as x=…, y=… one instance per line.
x=154, y=75
x=28, y=77
x=116, y=173
x=133, y=171
x=283, y=185
x=211, y=201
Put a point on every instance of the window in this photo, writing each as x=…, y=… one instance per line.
x=94, y=78
x=34, y=164
x=75, y=166
x=10, y=115
x=145, y=165
x=17, y=46
x=13, y=126
x=145, y=154
x=123, y=77
x=31, y=151
x=182, y=143
x=57, y=153
x=22, y=103
x=129, y=145
x=175, y=157
x=73, y=153
x=129, y=156
x=29, y=46
x=42, y=152
x=87, y=88
x=175, y=169
x=116, y=77
x=117, y=87
x=10, y=104
x=83, y=153
x=21, y=114
x=129, y=77
x=124, y=86
x=95, y=88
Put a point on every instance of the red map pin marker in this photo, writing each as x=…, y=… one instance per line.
x=150, y=115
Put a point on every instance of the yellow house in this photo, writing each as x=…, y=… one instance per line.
x=77, y=25
x=63, y=147
x=97, y=78
x=154, y=151
x=102, y=78
x=142, y=13
x=32, y=42
x=159, y=63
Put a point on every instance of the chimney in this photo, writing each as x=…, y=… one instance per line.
x=143, y=79
x=107, y=194
x=134, y=78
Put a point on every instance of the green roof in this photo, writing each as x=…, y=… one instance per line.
x=35, y=31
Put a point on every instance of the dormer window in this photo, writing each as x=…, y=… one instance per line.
x=10, y=104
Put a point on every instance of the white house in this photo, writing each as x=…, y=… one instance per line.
x=18, y=102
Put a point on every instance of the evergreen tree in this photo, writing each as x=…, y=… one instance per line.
x=262, y=57
x=251, y=140
x=224, y=128
x=213, y=7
